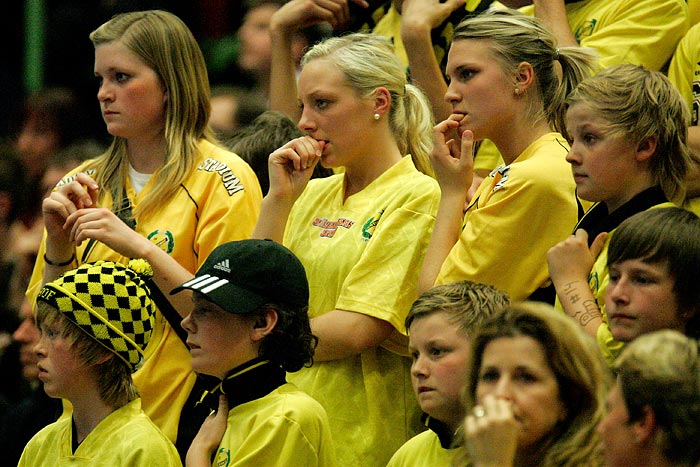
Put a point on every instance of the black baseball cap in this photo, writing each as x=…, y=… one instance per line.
x=242, y=276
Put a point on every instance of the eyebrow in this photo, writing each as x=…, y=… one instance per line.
x=459, y=68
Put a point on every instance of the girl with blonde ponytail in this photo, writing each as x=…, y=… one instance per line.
x=508, y=82
x=361, y=235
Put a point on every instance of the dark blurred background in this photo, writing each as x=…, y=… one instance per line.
x=46, y=45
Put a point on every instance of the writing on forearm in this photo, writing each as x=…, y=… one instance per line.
x=586, y=311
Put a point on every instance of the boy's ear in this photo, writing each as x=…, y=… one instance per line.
x=105, y=357
x=645, y=428
x=646, y=149
x=263, y=325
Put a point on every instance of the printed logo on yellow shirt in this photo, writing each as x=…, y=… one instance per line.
x=329, y=227
x=585, y=30
x=370, y=225
x=230, y=181
x=223, y=458
x=164, y=239
x=70, y=178
x=500, y=174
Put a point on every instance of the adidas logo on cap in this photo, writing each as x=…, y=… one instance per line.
x=223, y=266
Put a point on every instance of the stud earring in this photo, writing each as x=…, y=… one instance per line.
x=517, y=91
x=376, y=116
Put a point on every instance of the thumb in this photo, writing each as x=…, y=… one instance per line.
x=598, y=244
x=452, y=5
x=223, y=406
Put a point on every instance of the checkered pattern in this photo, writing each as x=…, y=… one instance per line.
x=108, y=301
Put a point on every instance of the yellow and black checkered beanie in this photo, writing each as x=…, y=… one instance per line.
x=108, y=301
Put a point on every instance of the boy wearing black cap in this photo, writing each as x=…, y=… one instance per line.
x=95, y=322
x=249, y=326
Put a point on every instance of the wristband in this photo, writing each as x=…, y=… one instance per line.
x=53, y=263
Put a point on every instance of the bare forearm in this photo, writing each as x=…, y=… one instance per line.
x=578, y=301
x=553, y=15
x=425, y=69
x=197, y=458
x=168, y=274
x=342, y=334
x=61, y=258
x=445, y=235
x=283, y=86
x=273, y=218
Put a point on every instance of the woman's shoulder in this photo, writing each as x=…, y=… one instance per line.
x=287, y=402
x=422, y=450
x=405, y=180
x=210, y=152
x=215, y=165
x=297, y=400
x=544, y=162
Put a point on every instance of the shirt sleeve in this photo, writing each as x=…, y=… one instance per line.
x=506, y=235
x=278, y=441
x=225, y=218
x=640, y=32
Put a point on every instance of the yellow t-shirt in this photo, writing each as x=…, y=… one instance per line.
x=684, y=71
x=126, y=437
x=518, y=213
x=642, y=32
x=423, y=450
x=363, y=255
x=286, y=428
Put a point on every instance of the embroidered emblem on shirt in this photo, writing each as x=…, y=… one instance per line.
x=328, y=227
x=230, y=181
x=164, y=239
x=370, y=225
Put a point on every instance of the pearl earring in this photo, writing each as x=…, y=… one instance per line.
x=517, y=91
x=376, y=116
